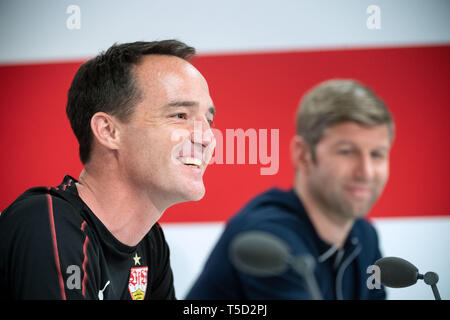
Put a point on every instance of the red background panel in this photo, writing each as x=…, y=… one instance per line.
x=259, y=91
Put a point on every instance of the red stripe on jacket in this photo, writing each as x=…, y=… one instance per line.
x=85, y=260
x=55, y=246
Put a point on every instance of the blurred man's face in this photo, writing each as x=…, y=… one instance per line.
x=351, y=169
x=160, y=151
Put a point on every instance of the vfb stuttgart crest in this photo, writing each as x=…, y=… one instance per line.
x=138, y=283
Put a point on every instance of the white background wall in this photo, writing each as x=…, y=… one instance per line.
x=35, y=30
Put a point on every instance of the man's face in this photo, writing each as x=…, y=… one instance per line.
x=351, y=169
x=175, y=100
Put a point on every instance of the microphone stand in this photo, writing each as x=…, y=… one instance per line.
x=304, y=265
x=431, y=278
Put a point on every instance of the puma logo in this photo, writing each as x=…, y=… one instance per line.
x=100, y=293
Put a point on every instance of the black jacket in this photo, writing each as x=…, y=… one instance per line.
x=52, y=246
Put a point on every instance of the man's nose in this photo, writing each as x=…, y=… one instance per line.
x=202, y=133
x=365, y=168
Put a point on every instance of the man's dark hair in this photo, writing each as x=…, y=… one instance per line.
x=108, y=84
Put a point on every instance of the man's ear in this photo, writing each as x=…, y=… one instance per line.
x=105, y=129
x=300, y=153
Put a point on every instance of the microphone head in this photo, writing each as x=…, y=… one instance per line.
x=259, y=253
x=397, y=272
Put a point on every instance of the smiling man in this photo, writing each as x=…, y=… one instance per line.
x=341, y=159
x=131, y=108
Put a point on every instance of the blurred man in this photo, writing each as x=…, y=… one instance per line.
x=341, y=159
x=132, y=109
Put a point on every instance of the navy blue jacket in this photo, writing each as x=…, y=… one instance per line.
x=340, y=273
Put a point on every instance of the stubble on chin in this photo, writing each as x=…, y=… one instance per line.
x=336, y=204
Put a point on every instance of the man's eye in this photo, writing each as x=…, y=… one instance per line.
x=377, y=155
x=345, y=152
x=180, y=116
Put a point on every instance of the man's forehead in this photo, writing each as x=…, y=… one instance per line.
x=168, y=82
x=352, y=132
x=163, y=70
x=155, y=65
x=160, y=75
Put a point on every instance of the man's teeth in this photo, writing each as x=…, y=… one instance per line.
x=191, y=161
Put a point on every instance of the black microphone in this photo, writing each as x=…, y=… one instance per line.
x=399, y=273
x=263, y=254
x=259, y=253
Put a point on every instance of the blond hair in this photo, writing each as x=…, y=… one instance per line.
x=337, y=101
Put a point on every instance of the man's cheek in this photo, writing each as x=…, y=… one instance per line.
x=179, y=147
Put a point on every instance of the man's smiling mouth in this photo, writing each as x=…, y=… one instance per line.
x=191, y=161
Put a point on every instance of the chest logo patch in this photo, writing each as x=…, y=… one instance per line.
x=137, y=284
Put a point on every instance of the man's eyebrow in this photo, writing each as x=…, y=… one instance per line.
x=347, y=142
x=182, y=104
x=343, y=142
x=211, y=109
